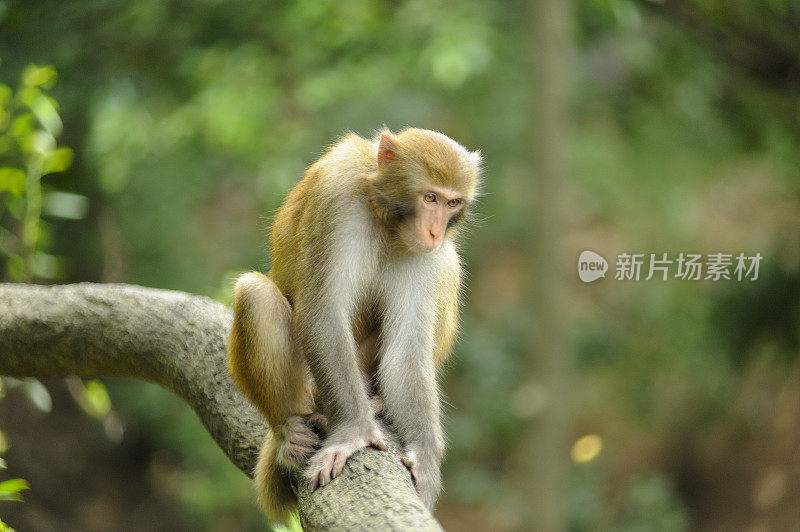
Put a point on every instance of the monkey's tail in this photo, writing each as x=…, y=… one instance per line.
x=273, y=484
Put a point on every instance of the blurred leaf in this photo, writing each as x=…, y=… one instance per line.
x=37, y=394
x=3, y=464
x=45, y=265
x=46, y=113
x=12, y=180
x=22, y=125
x=451, y=65
x=15, y=206
x=652, y=504
x=97, y=399
x=38, y=142
x=36, y=76
x=5, y=95
x=65, y=205
x=9, y=489
x=57, y=160
x=8, y=242
x=16, y=267
x=293, y=525
x=7, y=142
x=114, y=174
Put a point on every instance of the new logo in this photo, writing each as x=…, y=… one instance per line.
x=591, y=266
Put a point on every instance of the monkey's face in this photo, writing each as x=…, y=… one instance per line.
x=435, y=210
x=423, y=185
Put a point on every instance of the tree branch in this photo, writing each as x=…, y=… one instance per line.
x=178, y=340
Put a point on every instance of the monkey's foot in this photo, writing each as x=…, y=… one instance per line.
x=426, y=476
x=300, y=439
x=329, y=461
x=409, y=460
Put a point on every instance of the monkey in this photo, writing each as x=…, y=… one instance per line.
x=358, y=311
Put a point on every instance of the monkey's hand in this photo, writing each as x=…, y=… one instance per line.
x=345, y=440
x=300, y=437
x=424, y=468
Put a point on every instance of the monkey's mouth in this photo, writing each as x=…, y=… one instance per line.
x=425, y=248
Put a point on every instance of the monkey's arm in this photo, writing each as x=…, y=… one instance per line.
x=324, y=331
x=407, y=376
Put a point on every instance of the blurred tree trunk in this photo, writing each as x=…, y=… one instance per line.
x=542, y=456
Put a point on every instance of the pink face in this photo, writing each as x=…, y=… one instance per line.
x=434, y=209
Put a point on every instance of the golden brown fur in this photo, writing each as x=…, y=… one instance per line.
x=352, y=301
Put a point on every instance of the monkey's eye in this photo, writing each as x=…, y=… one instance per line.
x=454, y=203
x=430, y=197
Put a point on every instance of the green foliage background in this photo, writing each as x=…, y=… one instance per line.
x=189, y=122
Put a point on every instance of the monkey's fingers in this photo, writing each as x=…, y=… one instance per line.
x=338, y=463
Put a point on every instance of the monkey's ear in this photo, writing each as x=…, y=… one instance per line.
x=387, y=149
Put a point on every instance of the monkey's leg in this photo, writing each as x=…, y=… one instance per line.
x=265, y=363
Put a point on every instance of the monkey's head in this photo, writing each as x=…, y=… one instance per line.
x=424, y=186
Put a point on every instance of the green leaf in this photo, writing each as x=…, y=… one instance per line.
x=16, y=267
x=38, y=142
x=5, y=528
x=22, y=125
x=46, y=113
x=14, y=485
x=12, y=180
x=36, y=76
x=9, y=489
x=57, y=160
x=293, y=525
x=7, y=143
x=5, y=95
x=15, y=206
x=97, y=399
